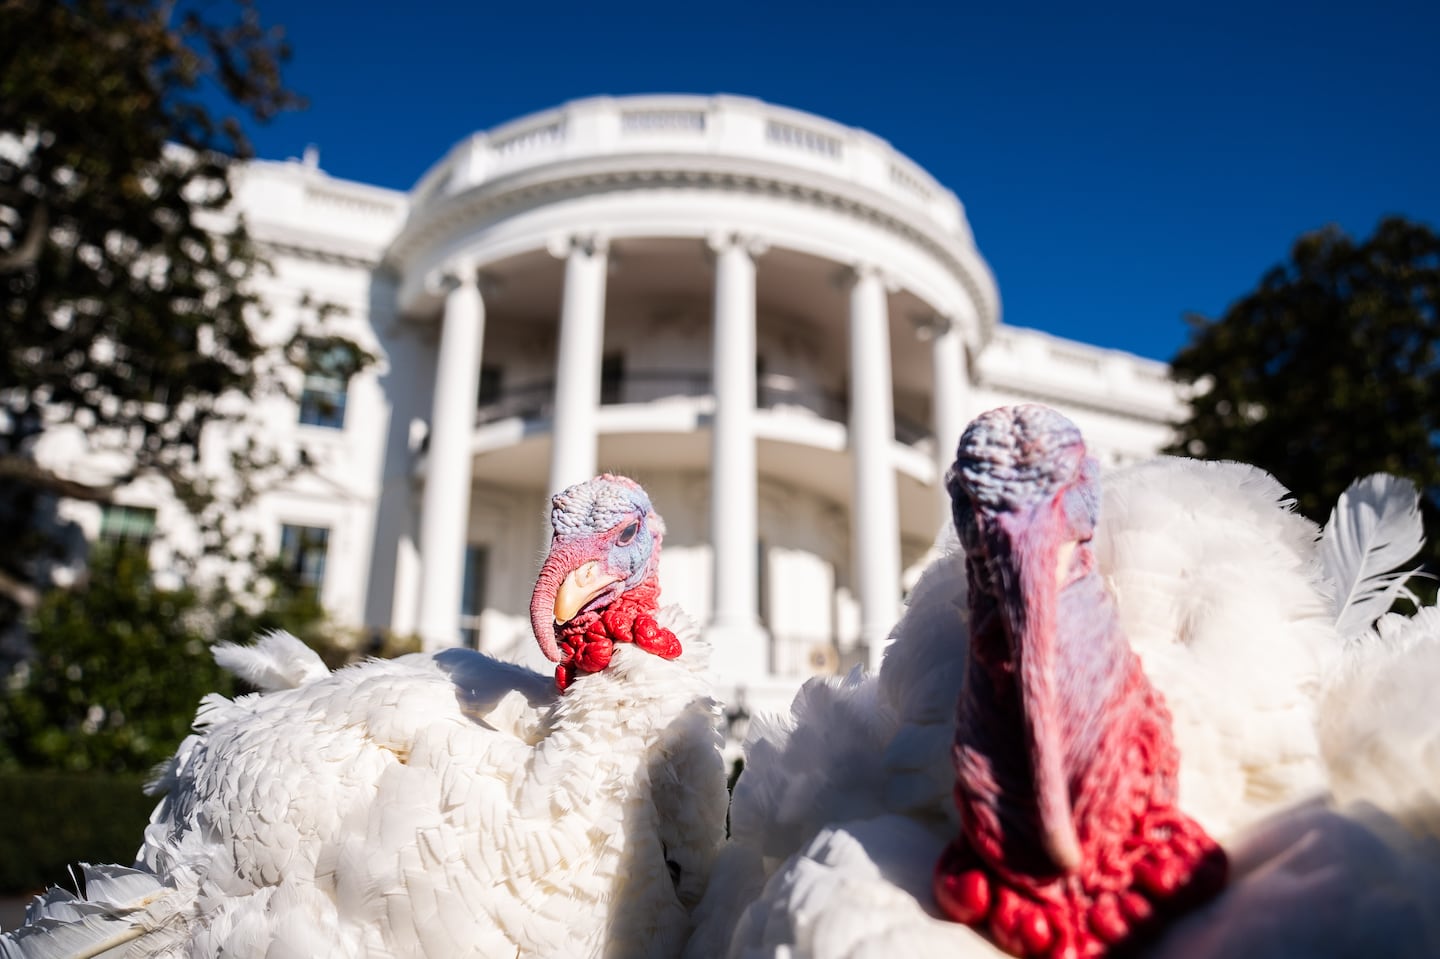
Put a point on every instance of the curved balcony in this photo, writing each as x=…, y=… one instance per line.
x=732, y=127
x=532, y=400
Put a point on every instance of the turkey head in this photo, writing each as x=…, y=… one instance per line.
x=599, y=584
x=1066, y=769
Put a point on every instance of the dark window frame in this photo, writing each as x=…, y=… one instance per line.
x=300, y=545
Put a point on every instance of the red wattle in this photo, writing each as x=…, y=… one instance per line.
x=587, y=642
x=1143, y=861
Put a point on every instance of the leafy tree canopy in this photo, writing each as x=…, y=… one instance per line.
x=127, y=299
x=1330, y=370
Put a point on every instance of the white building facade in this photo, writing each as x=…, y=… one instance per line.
x=777, y=324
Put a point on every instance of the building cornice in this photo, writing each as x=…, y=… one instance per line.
x=699, y=144
x=318, y=249
x=438, y=222
x=1113, y=405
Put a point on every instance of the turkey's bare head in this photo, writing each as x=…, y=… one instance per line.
x=599, y=584
x=1065, y=762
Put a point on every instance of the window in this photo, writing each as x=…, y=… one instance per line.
x=302, y=553
x=762, y=585
x=125, y=526
x=472, y=597
x=612, y=377
x=492, y=382
x=322, y=400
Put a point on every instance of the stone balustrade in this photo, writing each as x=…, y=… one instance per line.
x=1066, y=371
x=717, y=127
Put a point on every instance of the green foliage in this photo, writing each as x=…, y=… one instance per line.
x=121, y=664
x=1330, y=370
x=55, y=819
x=127, y=290
x=106, y=237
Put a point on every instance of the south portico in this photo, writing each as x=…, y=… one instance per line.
x=736, y=257
x=828, y=301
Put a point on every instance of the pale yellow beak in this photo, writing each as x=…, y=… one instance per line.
x=583, y=584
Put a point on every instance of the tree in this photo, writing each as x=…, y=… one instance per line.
x=121, y=662
x=120, y=666
x=127, y=294
x=1328, y=371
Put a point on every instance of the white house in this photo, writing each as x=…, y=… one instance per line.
x=778, y=324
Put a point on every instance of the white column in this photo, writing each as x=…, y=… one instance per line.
x=951, y=384
x=577, y=366
x=445, y=509
x=875, y=511
x=735, y=632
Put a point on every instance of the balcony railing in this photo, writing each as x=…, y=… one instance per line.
x=773, y=391
x=721, y=126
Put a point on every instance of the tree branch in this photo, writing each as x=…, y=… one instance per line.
x=24, y=470
x=22, y=594
x=28, y=252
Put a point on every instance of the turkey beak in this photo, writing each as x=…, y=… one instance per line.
x=1029, y=548
x=579, y=587
x=567, y=581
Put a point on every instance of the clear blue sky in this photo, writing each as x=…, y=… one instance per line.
x=1121, y=164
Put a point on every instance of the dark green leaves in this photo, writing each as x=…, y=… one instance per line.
x=1329, y=370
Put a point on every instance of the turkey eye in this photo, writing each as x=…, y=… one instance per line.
x=627, y=535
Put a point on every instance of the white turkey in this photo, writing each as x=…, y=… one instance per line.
x=440, y=804
x=1064, y=622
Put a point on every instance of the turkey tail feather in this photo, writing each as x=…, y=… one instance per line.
x=276, y=661
x=60, y=925
x=1374, y=527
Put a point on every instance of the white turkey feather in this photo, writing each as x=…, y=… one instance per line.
x=1374, y=528
x=433, y=805
x=858, y=890
x=1379, y=726
x=1321, y=882
x=1219, y=589
x=1222, y=590
x=59, y=923
x=274, y=661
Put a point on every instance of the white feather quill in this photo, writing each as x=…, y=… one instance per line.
x=1374, y=527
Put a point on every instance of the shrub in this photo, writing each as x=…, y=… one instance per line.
x=55, y=819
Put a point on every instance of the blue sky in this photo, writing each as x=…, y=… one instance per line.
x=1121, y=164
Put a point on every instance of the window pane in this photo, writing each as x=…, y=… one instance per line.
x=472, y=599
x=322, y=400
x=302, y=553
x=322, y=403
x=129, y=525
x=612, y=378
x=472, y=596
x=492, y=382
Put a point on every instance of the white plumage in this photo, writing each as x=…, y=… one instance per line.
x=1306, y=749
x=437, y=805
